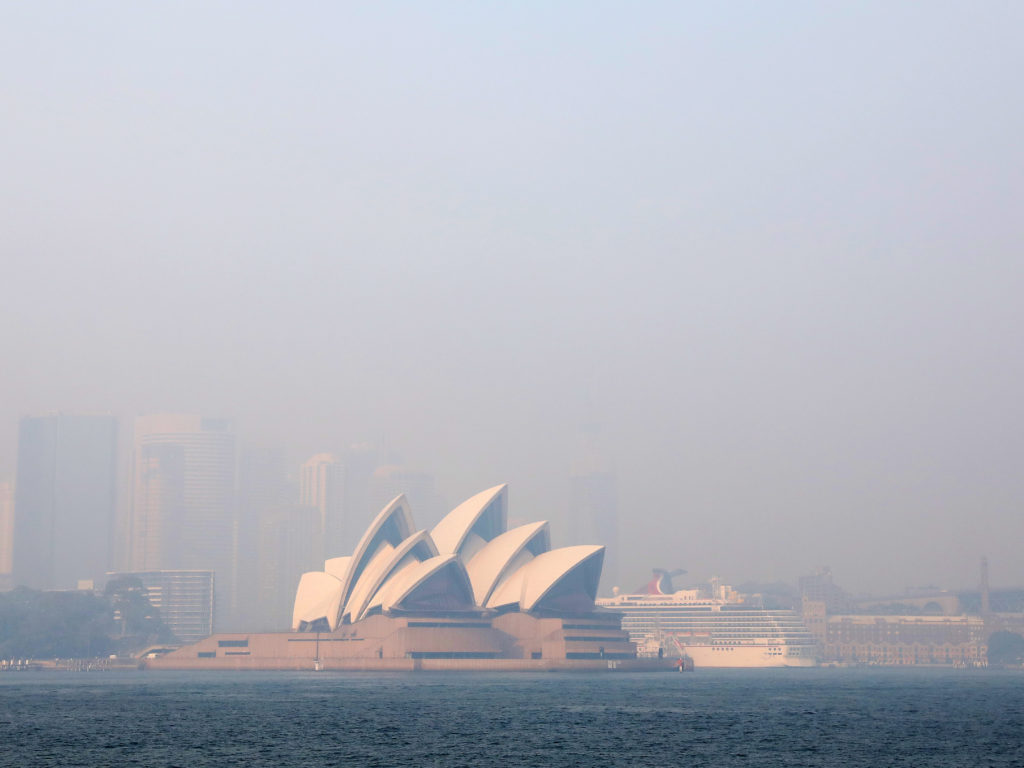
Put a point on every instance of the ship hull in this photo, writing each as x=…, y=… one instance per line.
x=715, y=632
x=749, y=656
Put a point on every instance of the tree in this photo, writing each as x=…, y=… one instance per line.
x=54, y=624
x=1005, y=649
x=41, y=625
x=138, y=622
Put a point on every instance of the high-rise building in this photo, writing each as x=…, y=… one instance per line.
x=360, y=462
x=6, y=535
x=184, y=513
x=64, y=500
x=392, y=480
x=263, y=491
x=289, y=547
x=593, y=506
x=818, y=587
x=183, y=598
x=158, y=509
x=322, y=486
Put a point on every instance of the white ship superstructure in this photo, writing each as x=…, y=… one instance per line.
x=721, y=631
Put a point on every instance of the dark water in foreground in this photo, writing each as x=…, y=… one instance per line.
x=708, y=718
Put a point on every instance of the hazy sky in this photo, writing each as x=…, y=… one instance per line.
x=774, y=250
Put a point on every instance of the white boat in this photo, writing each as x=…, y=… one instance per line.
x=726, y=630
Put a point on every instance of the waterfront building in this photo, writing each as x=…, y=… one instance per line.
x=64, y=499
x=470, y=593
x=923, y=627
x=183, y=598
x=468, y=563
x=905, y=640
x=184, y=512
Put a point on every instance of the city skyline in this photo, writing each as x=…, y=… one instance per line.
x=275, y=511
x=197, y=498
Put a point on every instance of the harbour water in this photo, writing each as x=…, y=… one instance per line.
x=772, y=717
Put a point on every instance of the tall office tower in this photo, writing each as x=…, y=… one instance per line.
x=6, y=535
x=263, y=491
x=288, y=549
x=392, y=480
x=360, y=461
x=593, y=506
x=322, y=486
x=184, y=516
x=819, y=587
x=64, y=497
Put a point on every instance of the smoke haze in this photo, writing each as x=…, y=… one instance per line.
x=773, y=252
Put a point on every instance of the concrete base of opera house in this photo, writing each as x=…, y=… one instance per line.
x=508, y=642
x=419, y=665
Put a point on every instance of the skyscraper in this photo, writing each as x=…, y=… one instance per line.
x=184, y=514
x=593, y=505
x=6, y=535
x=64, y=499
x=289, y=546
x=392, y=480
x=263, y=491
x=360, y=462
x=322, y=486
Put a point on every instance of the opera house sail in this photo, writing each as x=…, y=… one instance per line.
x=468, y=593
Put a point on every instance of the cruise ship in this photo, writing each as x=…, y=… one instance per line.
x=715, y=628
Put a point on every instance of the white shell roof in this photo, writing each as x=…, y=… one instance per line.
x=470, y=553
x=338, y=567
x=490, y=563
x=396, y=515
x=528, y=585
x=450, y=533
x=470, y=546
x=411, y=578
x=368, y=581
x=417, y=548
x=397, y=576
x=317, y=597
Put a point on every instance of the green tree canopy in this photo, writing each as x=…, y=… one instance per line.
x=54, y=624
x=1005, y=649
x=43, y=625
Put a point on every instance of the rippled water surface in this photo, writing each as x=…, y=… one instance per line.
x=786, y=717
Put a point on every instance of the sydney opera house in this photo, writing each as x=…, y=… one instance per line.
x=468, y=594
